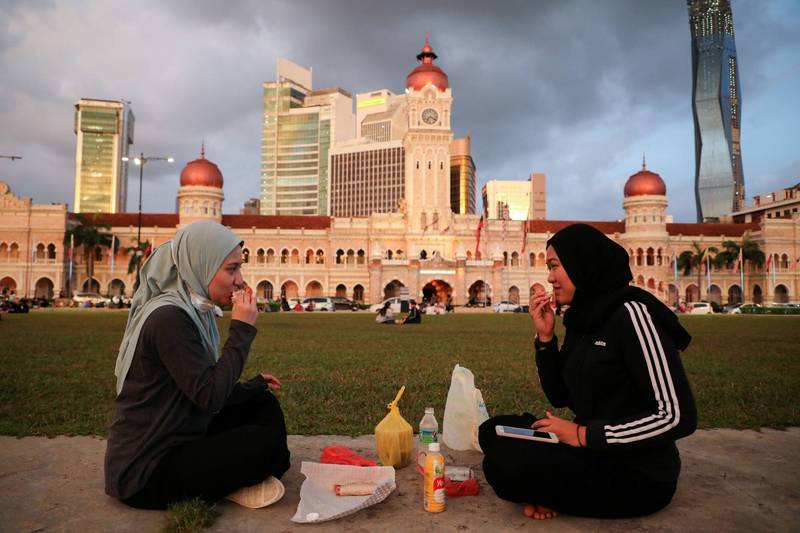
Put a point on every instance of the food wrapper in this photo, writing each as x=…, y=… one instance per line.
x=394, y=438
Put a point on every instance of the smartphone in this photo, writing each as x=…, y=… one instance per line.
x=526, y=433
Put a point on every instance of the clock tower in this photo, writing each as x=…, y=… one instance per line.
x=427, y=145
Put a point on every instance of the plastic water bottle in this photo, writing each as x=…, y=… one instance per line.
x=428, y=429
x=434, y=491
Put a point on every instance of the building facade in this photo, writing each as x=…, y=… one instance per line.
x=717, y=109
x=784, y=203
x=463, y=177
x=104, y=131
x=299, y=127
x=506, y=198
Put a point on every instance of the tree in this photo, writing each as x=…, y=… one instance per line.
x=749, y=249
x=694, y=258
x=137, y=255
x=90, y=234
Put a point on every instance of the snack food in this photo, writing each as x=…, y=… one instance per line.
x=354, y=489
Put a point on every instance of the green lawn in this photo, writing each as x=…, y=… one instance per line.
x=340, y=370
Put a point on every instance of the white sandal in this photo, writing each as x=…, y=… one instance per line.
x=259, y=495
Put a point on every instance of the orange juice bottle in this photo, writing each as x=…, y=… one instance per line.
x=434, y=479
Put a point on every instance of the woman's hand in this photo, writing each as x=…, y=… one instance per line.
x=273, y=383
x=566, y=431
x=244, y=306
x=544, y=319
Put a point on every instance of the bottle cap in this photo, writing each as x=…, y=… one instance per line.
x=433, y=447
x=429, y=410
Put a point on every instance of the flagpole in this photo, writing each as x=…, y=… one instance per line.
x=741, y=273
x=71, y=256
x=112, y=253
x=708, y=276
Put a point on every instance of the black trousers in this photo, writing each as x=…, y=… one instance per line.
x=575, y=481
x=245, y=444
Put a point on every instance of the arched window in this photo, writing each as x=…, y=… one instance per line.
x=339, y=256
x=398, y=254
x=360, y=258
x=639, y=257
x=514, y=259
x=3, y=251
x=260, y=258
x=423, y=254
x=270, y=256
x=532, y=259
x=320, y=257
x=469, y=255
x=351, y=257
x=245, y=256
x=389, y=254
x=784, y=261
x=51, y=252
x=284, y=256
x=505, y=258
x=423, y=221
x=295, y=256
x=659, y=258
x=309, y=256
x=358, y=294
x=650, y=257
x=40, y=253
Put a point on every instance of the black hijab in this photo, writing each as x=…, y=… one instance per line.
x=600, y=270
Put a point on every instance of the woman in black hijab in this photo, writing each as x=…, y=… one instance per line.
x=619, y=371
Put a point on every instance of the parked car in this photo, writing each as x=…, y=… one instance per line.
x=120, y=301
x=730, y=308
x=321, y=303
x=506, y=306
x=395, y=302
x=746, y=309
x=92, y=298
x=343, y=304
x=701, y=308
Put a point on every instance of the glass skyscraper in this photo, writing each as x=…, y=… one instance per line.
x=716, y=104
x=104, y=130
x=298, y=128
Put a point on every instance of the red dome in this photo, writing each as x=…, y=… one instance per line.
x=426, y=72
x=201, y=172
x=645, y=182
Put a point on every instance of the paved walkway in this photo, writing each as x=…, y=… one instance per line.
x=732, y=481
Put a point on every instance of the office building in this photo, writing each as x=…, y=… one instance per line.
x=104, y=131
x=717, y=108
x=462, y=177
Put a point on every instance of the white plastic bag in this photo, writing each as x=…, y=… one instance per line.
x=464, y=412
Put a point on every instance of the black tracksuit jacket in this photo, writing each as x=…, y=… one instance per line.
x=625, y=382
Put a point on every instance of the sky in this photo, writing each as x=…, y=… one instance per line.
x=578, y=90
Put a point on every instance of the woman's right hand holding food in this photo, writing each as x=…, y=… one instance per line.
x=244, y=306
x=544, y=319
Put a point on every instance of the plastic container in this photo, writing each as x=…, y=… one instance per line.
x=428, y=429
x=433, y=481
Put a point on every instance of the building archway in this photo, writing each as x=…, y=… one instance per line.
x=715, y=294
x=758, y=296
x=478, y=292
x=7, y=284
x=313, y=289
x=692, y=293
x=513, y=294
x=674, y=295
x=436, y=291
x=44, y=289
x=341, y=291
x=116, y=287
x=392, y=289
x=94, y=286
x=358, y=294
x=289, y=289
x=734, y=294
x=781, y=295
x=264, y=290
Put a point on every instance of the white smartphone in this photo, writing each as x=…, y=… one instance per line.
x=526, y=433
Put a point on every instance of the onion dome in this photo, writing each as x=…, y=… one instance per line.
x=201, y=172
x=426, y=72
x=645, y=182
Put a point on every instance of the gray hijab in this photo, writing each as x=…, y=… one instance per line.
x=178, y=273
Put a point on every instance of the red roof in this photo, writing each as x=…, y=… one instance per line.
x=276, y=221
x=711, y=230
x=162, y=220
x=543, y=226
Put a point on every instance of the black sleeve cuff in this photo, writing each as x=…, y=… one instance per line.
x=551, y=346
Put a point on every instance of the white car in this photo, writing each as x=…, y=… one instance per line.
x=506, y=307
x=83, y=298
x=395, y=305
x=701, y=308
x=321, y=303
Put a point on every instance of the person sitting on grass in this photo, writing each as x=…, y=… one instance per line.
x=620, y=372
x=183, y=426
x=385, y=314
x=414, y=316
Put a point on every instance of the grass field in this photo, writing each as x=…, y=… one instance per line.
x=340, y=370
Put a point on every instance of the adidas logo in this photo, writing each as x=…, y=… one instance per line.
x=600, y=343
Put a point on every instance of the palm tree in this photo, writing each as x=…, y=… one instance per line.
x=694, y=258
x=137, y=255
x=749, y=249
x=89, y=234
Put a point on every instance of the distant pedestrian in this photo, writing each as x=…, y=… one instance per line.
x=414, y=316
x=385, y=314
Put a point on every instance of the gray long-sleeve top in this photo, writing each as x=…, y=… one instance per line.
x=170, y=395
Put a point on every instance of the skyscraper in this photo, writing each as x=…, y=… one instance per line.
x=299, y=127
x=716, y=104
x=462, y=177
x=104, y=130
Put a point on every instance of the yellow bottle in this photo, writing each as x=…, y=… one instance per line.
x=434, y=479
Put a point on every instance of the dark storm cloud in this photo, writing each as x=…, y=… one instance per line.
x=575, y=89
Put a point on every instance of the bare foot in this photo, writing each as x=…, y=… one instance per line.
x=538, y=512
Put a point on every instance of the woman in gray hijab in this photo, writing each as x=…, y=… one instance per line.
x=183, y=426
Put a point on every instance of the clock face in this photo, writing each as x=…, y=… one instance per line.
x=430, y=116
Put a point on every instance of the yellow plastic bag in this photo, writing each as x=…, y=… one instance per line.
x=394, y=437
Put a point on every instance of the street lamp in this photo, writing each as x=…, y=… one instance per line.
x=140, y=161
